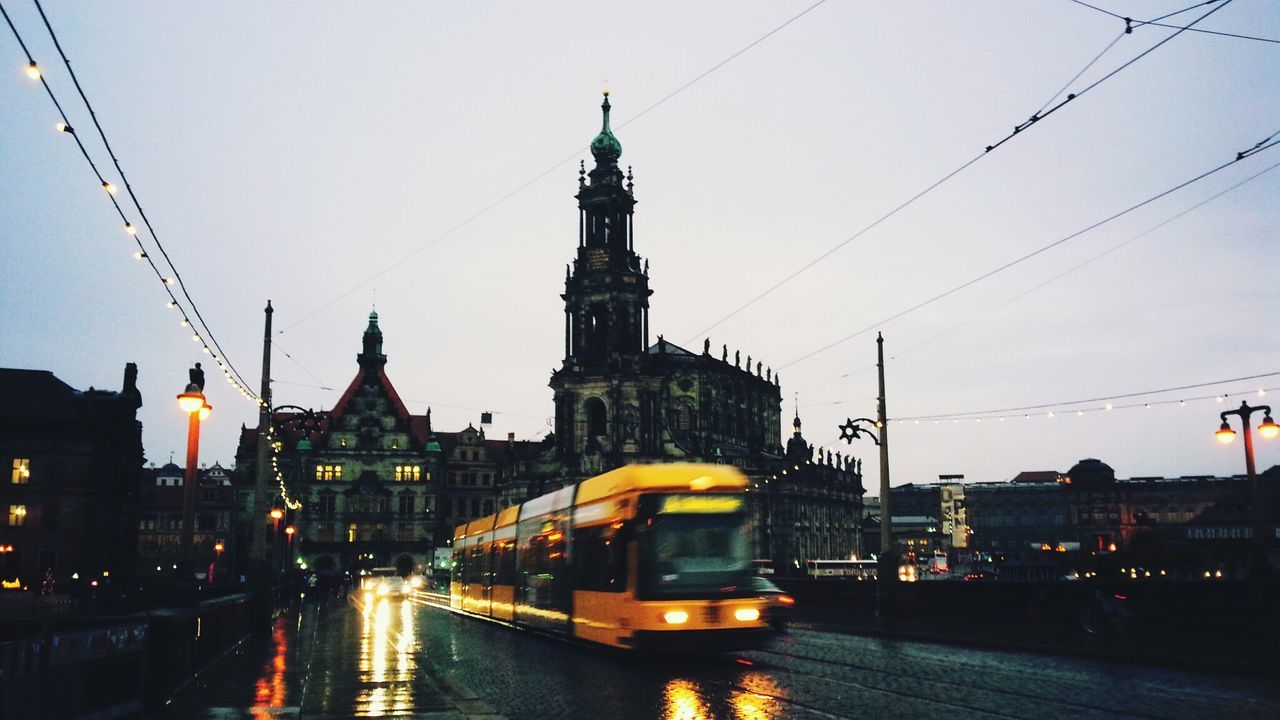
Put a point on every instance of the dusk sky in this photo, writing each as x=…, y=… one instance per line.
x=426, y=154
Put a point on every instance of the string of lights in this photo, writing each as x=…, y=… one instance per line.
x=1131, y=24
x=1049, y=281
x=225, y=362
x=1262, y=146
x=1018, y=129
x=577, y=152
x=289, y=501
x=1104, y=398
x=1050, y=412
x=64, y=126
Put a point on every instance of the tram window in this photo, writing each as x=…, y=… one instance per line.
x=600, y=555
x=459, y=565
x=504, y=563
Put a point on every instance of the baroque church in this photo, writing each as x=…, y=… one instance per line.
x=621, y=399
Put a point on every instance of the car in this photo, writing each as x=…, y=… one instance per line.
x=781, y=605
x=388, y=587
x=977, y=575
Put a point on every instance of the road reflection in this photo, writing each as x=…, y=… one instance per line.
x=751, y=696
x=269, y=688
x=386, y=626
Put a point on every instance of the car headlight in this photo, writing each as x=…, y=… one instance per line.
x=746, y=614
x=676, y=617
x=382, y=589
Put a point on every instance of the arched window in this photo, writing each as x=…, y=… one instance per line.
x=593, y=408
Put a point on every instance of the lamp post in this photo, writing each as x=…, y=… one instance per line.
x=1268, y=429
x=887, y=565
x=193, y=403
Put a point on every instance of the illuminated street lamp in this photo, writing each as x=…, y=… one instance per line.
x=193, y=403
x=1268, y=430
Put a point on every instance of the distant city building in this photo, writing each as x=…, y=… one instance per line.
x=160, y=498
x=73, y=461
x=1187, y=523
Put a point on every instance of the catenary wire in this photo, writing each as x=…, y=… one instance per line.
x=1266, y=145
x=1155, y=22
x=1049, y=281
x=1019, y=128
x=132, y=196
x=552, y=168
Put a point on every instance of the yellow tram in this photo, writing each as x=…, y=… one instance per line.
x=645, y=556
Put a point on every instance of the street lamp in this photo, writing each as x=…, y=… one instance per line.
x=193, y=403
x=1268, y=429
x=878, y=431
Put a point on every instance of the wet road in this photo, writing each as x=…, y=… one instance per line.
x=412, y=659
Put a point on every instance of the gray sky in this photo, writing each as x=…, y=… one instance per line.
x=293, y=151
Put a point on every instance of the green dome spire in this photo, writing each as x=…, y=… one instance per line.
x=605, y=147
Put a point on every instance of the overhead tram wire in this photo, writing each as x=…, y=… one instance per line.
x=1130, y=23
x=1262, y=146
x=1035, y=119
x=133, y=197
x=66, y=127
x=1050, y=280
x=555, y=166
x=1089, y=261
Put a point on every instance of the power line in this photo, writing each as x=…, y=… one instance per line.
x=556, y=165
x=1019, y=128
x=132, y=196
x=1260, y=147
x=34, y=71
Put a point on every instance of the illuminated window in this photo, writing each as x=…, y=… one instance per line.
x=17, y=515
x=408, y=473
x=328, y=472
x=21, y=470
x=351, y=533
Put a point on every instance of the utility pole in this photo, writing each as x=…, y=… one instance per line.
x=258, y=546
x=887, y=562
x=887, y=570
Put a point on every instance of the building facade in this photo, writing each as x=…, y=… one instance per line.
x=74, y=462
x=160, y=498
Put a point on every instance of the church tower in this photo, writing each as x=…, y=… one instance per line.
x=607, y=291
x=606, y=314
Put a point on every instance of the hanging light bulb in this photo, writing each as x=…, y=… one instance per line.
x=1079, y=413
x=1108, y=406
x=169, y=281
x=1268, y=429
x=33, y=70
x=172, y=304
x=129, y=228
x=139, y=255
x=195, y=337
x=63, y=127
x=111, y=189
x=1050, y=413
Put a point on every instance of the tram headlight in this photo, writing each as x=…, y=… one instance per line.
x=746, y=614
x=676, y=617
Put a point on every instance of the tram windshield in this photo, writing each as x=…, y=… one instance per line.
x=693, y=544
